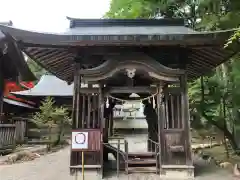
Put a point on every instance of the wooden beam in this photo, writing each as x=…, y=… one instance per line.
x=127, y=89
x=122, y=90
x=91, y=90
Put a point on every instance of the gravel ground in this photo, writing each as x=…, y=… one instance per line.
x=56, y=167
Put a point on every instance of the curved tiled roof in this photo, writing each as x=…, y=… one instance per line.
x=48, y=85
x=7, y=23
x=13, y=61
x=17, y=103
x=163, y=39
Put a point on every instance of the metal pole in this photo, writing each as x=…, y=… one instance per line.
x=126, y=158
x=83, y=165
x=118, y=150
x=156, y=154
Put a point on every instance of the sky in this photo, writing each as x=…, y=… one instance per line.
x=50, y=15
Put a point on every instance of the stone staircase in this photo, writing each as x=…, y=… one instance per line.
x=143, y=162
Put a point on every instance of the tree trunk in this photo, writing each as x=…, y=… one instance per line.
x=60, y=134
x=226, y=132
x=49, y=143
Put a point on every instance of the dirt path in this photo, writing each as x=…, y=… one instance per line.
x=56, y=167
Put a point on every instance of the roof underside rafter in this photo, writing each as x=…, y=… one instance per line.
x=12, y=63
x=92, y=41
x=200, y=60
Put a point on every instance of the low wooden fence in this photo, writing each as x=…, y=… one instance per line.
x=7, y=137
x=38, y=133
x=41, y=135
x=21, y=129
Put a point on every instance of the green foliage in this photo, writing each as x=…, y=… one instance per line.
x=51, y=116
x=46, y=112
x=129, y=9
x=218, y=102
x=37, y=70
x=214, y=99
x=234, y=38
x=200, y=14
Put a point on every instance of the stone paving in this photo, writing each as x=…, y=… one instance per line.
x=56, y=167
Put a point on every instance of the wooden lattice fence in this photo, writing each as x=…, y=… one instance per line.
x=7, y=137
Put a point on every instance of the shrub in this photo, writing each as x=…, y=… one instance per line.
x=52, y=116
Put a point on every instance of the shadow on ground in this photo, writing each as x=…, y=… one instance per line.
x=202, y=169
x=205, y=169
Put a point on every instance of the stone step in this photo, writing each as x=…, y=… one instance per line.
x=142, y=170
x=142, y=162
x=141, y=155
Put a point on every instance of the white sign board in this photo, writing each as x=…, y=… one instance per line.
x=79, y=140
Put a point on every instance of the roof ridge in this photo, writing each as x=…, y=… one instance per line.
x=7, y=23
x=77, y=22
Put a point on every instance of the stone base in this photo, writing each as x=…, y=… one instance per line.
x=181, y=172
x=78, y=168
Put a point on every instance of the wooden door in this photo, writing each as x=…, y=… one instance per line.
x=173, y=136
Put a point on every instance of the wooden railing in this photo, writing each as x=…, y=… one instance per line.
x=126, y=155
x=119, y=152
x=7, y=137
x=156, y=148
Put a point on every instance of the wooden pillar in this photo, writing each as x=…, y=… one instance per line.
x=101, y=107
x=111, y=123
x=75, y=158
x=160, y=122
x=149, y=143
x=2, y=82
x=154, y=137
x=77, y=105
x=186, y=119
x=104, y=154
x=152, y=121
x=2, y=85
x=95, y=109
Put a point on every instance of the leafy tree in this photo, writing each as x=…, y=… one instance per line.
x=234, y=38
x=214, y=99
x=200, y=14
x=51, y=117
x=61, y=118
x=37, y=70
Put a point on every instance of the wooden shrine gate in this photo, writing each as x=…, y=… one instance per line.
x=91, y=112
x=174, y=131
x=87, y=116
x=124, y=53
x=90, y=115
x=174, y=128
